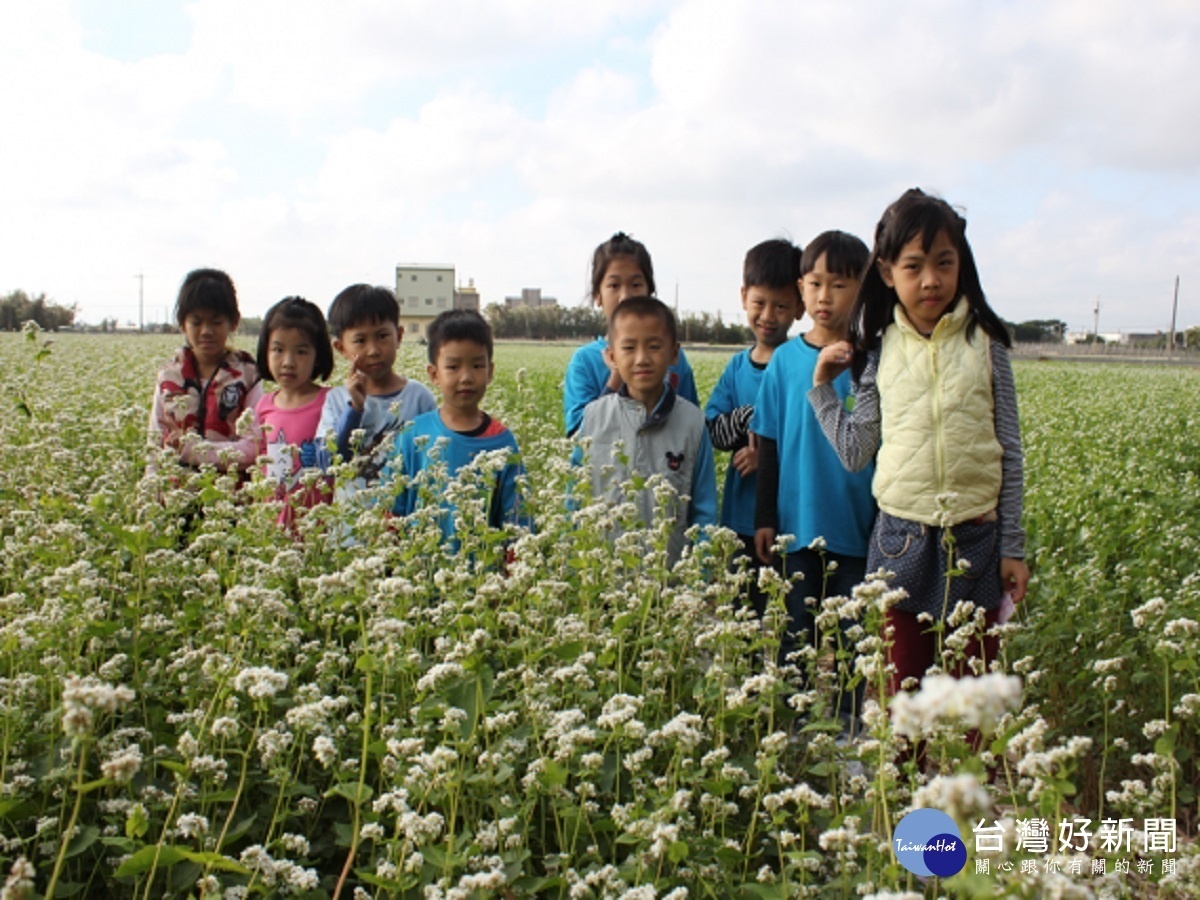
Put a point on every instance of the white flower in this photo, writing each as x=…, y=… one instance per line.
x=967, y=702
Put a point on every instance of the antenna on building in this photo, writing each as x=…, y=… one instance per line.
x=1096, y=324
x=141, y=318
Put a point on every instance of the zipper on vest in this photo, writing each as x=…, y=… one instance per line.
x=939, y=453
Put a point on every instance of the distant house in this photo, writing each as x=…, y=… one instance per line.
x=531, y=298
x=467, y=297
x=423, y=291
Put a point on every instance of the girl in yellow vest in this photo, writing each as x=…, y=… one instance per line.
x=936, y=408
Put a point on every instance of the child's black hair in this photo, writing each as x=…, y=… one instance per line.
x=207, y=289
x=916, y=214
x=362, y=304
x=845, y=254
x=772, y=264
x=458, y=325
x=621, y=244
x=296, y=312
x=645, y=306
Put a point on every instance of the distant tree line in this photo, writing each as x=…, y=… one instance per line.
x=18, y=307
x=1038, y=331
x=578, y=323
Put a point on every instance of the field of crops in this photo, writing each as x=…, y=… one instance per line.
x=195, y=703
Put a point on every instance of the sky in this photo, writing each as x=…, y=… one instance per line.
x=303, y=145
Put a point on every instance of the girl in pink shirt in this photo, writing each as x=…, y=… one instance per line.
x=293, y=350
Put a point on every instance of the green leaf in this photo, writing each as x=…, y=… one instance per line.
x=352, y=791
x=678, y=851
x=142, y=860
x=84, y=838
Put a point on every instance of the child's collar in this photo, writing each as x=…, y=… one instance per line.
x=662, y=408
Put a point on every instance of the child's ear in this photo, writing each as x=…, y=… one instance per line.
x=399, y=332
x=609, y=358
x=339, y=346
x=743, y=296
x=431, y=373
x=885, y=272
x=675, y=354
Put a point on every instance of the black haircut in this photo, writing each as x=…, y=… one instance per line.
x=772, y=264
x=207, y=289
x=296, y=312
x=362, y=304
x=621, y=244
x=458, y=325
x=916, y=215
x=648, y=307
x=845, y=254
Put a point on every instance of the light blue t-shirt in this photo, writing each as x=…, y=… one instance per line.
x=817, y=496
x=587, y=379
x=738, y=386
x=377, y=421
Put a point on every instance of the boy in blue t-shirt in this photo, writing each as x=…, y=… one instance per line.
x=803, y=489
x=771, y=299
x=460, y=364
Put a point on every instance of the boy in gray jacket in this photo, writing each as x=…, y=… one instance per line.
x=645, y=428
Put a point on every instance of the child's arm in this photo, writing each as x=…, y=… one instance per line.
x=766, y=500
x=580, y=387
x=703, y=508
x=854, y=435
x=687, y=381
x=728, y=423
x=1014, y=573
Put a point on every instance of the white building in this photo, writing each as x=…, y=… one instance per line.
x=423, y=290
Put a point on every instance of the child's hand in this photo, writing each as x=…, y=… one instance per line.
x=746, y=459
x=356, y=386
x=764, y=540
x=1014, y=576
x=832, y=362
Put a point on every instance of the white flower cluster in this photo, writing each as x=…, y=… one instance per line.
x=84, y=697
x=966, y=702
x=260, y=682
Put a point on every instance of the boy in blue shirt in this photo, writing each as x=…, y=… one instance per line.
x=460, y=365
x=803, y=489
x=771, y=299
x=364, y=322
x=661, y=433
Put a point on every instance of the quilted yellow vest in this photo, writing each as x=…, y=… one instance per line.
x=937, y=419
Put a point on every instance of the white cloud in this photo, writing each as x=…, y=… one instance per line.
x=305, y=146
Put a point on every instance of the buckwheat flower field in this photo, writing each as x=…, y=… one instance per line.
x=196, y=703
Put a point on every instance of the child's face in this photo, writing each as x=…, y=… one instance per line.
x=207, y=332
x=828, y=298
x=770, y=312
x=926, y=283
x=622, y=279
x=374, y=345
x=292, y=357
x=462, y=373
x=641, y=350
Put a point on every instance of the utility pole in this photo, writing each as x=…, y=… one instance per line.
x=141, y=285
x=1174, y=310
